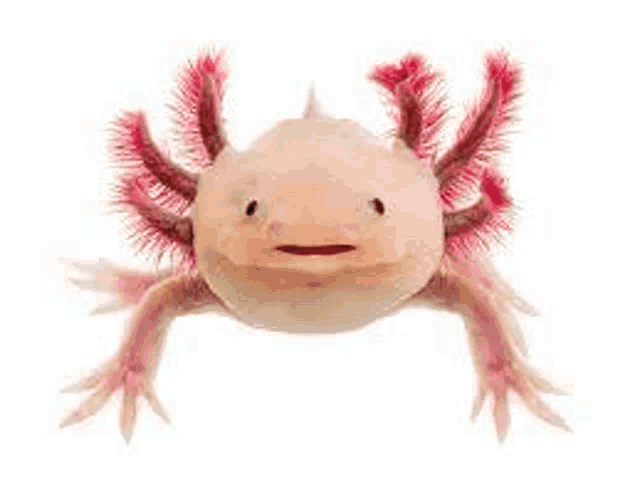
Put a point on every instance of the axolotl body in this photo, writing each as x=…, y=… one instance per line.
x=318, y=227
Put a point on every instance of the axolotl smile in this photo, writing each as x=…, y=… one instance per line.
x=315, y=250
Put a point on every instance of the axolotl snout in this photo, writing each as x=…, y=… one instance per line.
x=319, y=226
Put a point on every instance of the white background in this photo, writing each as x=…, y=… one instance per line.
x=392, y=400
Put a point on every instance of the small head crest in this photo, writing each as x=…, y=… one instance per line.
x=313, y=110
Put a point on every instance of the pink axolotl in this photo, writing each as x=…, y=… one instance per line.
x=319, y=227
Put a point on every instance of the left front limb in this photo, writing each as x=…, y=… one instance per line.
x=134, y=366
x=500, y=366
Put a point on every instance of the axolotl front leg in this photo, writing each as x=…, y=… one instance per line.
x=496, y=345
x=132, y=369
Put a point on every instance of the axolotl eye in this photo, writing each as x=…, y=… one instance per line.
x=377, y=205
x=251, y=208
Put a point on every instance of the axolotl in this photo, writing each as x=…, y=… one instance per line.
x=318, y=227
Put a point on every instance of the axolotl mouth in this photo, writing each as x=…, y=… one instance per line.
x=315, y=250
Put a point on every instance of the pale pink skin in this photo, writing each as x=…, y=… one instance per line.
x=306, y=175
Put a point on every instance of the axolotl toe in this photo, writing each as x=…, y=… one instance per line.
x=318, y=227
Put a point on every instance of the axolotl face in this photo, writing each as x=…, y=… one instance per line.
x=317, y=227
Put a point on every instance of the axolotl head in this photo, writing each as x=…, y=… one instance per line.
x=317, y=210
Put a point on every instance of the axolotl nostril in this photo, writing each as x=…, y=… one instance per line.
x=319, y=226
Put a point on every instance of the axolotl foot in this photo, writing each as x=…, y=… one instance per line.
x=125, y=286
x=120, y=373
x=488, y=307
x=132, y=369
x=498, y=378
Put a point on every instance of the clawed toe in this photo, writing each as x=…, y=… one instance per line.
x=90, y=406
x=159, y=410
x=544, y=412
x=539, y=383
x=98, y=276
x=89, y=382
x=478, y=402
x=108, y=307
x=127, y=416
x=501, y=417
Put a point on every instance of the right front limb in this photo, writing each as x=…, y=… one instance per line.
x=134, y=366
